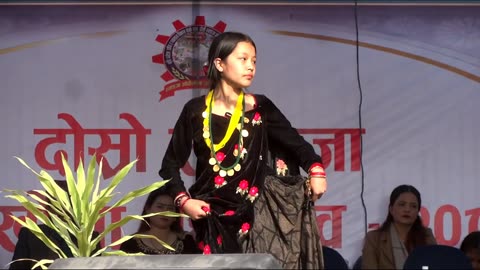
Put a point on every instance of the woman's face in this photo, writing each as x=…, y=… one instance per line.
x=474, y=256
x=405, y=209
x=238, y=69
x=161, y=204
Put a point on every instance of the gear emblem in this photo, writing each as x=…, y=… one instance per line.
x=185, y=52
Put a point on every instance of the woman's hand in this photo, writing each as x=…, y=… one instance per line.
x=196, y=209
x=318, y=186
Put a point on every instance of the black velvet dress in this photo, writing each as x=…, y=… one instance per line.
x=232, y=197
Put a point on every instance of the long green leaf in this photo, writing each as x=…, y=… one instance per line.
x=81, y=181
x=96, y=211
x=126, y=238
x=138, y=193
x=144, y=236
x=115, y=225
x=42, y=263
x=118, y=242
x=121, y=253
x=33, y=227
x=31, y=207
x=54, y=207
x=72, y=190
x=45, y=178
x=54, y=192
x=96, y=193
x=65, y=231
x=87, y=195
x=39, y=199
x=119, y=176
x=26, y=165
x=83, y=204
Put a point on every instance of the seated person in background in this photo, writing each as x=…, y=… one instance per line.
x=471, y=247
x=402, y=231
x=167, y=229
x=29, y=246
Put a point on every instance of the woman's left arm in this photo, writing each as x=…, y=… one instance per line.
x=280, y=132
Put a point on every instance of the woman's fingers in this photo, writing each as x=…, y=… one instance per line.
x=196, y=209
x=318, y=186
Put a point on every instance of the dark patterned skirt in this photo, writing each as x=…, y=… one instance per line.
x=285, y=224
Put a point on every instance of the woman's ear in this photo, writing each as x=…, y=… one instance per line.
x=218, y=64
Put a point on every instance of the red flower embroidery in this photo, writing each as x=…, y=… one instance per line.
x=219, y=240
x=244, y=229
x=201, y=245
x=220, y=156
x=242, y=187
x=229, y=213
x=281, y=167
x=252, y=194
x=219, y=181
x=257, y=119
x=207, y=250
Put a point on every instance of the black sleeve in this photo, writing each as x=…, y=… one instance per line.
x=130, y=246
x=285, y=138
x=178, y=152
x=22, y=251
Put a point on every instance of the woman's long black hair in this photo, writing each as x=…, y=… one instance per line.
x=175, y=227
x=417, y=235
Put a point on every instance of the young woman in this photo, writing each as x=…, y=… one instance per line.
x=167, y=229
x=471, y=247
x=402, y=231
x=232, y=133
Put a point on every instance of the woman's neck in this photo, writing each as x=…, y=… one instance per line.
x=160, y=233
x=226, y=95
x=402, y=230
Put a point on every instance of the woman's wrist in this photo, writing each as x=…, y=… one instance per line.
x=316, y=167
x=317, y=171
x=180, y=199
x=183, y=202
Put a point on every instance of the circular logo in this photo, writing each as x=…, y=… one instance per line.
x=186, y=51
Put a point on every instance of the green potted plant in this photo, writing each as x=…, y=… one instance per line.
x=73, y=214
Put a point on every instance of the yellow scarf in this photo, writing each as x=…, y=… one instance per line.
x=207, y=129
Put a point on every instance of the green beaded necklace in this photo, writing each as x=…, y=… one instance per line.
x=209, y=139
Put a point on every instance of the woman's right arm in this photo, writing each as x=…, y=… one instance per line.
x=178, y=152
x=175, y=157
